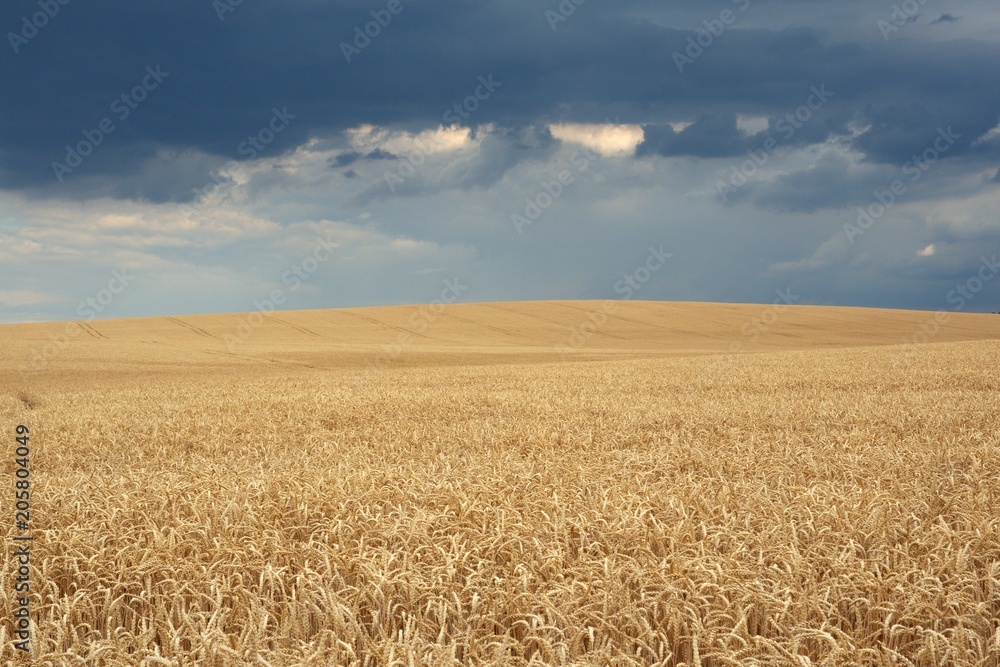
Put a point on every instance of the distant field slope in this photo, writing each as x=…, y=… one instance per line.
x=540, y=330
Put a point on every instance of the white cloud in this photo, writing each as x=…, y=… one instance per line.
x=992, y=135
x=751, y=125
x=367, y=138
x=17, y=298
x=606, y=139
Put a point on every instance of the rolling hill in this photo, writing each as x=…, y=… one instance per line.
x=469, y=333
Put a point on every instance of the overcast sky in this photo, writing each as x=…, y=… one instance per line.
x=201, y=156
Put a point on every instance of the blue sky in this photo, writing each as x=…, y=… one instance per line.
x=363, y=153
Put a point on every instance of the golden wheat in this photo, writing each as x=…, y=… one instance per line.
x=813, y=507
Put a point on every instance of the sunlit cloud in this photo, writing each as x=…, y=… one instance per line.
x=608, y=140
x=367, y=138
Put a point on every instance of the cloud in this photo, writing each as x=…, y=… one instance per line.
x=992, y=136
x=382, y=141
x=606, y=139
x=832, y=252
x=946, y=18
x=344, y=159
x=379, y=154
x=350, y=157
x=18, y=298
x=198, y=189
x=226, y=78
x=464, y=158
x=832, y=179
x=709, y=136
x=751, y=125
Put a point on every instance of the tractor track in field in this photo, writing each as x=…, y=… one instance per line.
x=91, y=331
x=190, y=327
x=497, y=329
x=561, y=325
x=298, y=328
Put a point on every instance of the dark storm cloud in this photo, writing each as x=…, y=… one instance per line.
x=946, y=18
x=344, y=159
x=709, y=136
x=718, y=135
x=228, y=77
x=350, y=157
x=830, y=183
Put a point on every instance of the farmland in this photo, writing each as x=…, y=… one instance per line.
x=506, y=484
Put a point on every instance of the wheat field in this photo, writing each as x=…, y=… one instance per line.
x=413, y=486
